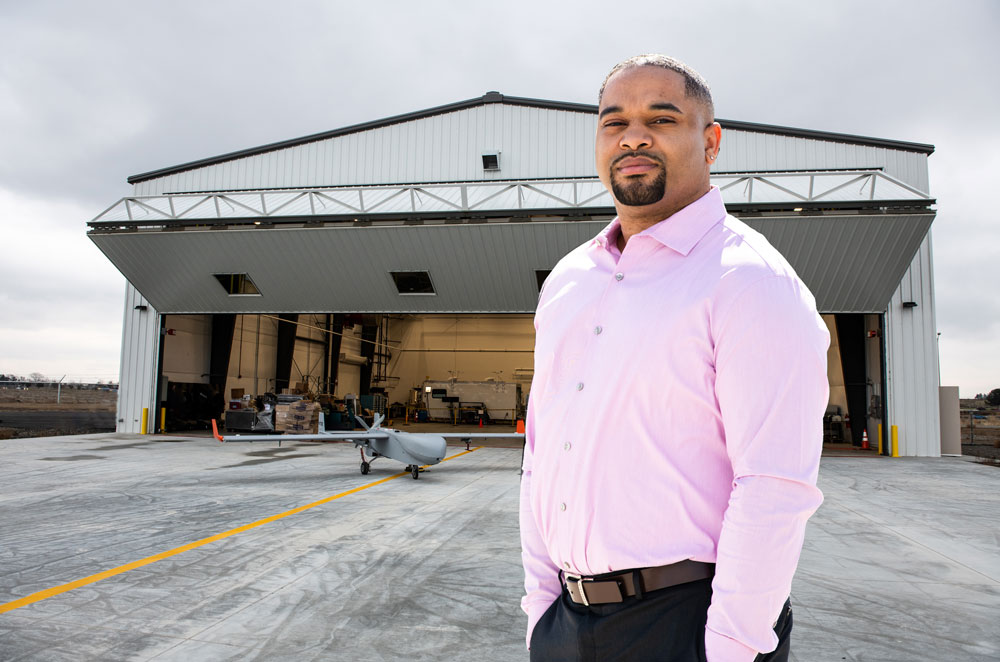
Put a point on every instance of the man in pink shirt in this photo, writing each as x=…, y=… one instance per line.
x=675, y=421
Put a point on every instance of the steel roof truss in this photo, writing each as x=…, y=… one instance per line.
x=775, y=187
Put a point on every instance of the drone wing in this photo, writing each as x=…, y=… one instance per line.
x=359, y=435
x=480, y=435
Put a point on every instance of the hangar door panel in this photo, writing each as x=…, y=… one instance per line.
x=483, y=267
x=852, y=264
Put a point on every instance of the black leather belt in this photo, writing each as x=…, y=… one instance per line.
x=616, y=586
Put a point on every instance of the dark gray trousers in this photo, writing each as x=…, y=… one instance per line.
x=663, y=626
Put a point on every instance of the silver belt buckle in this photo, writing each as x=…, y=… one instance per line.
x=579, y=584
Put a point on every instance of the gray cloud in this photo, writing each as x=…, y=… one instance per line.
x=93, y=92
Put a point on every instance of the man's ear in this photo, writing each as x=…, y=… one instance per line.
x=713, y=141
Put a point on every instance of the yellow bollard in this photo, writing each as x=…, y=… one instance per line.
x=163, y=419
x=145, y=420
x=895, y=441
x=879, y=438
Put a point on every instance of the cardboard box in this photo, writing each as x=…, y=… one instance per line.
x=301, y=416
x=236, y=393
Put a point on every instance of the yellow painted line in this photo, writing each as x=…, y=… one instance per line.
x=85, y=581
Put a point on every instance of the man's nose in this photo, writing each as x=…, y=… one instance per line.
x=634, y=138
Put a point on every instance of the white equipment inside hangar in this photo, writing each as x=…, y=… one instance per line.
x=411, y=249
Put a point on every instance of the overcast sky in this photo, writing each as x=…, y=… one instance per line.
x=92, y=92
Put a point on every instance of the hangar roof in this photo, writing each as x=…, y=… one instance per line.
x=328, y=222
x=497, y=98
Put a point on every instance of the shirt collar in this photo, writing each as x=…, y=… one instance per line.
x=682, y=231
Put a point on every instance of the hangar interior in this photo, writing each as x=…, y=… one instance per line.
x=329, y=354
x=398, y=258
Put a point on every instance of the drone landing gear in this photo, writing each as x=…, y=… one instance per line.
x=414, y=470
x=366, y=466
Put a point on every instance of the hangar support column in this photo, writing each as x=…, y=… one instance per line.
x=335, y=325
x=369, y=334
x=223, y=326
x=287, y=328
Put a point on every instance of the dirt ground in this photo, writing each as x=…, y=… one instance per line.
x=73, y=413
x=44, y=399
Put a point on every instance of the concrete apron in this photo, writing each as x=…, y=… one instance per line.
x=901, y=562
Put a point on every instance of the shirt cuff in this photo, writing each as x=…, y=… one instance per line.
x=720, y=648
x=535, y=611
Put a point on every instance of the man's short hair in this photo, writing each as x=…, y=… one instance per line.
x=694, y=84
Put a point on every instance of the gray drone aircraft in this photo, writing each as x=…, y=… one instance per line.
x=414, y=449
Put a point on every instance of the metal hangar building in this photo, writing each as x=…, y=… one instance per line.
x=410, y=249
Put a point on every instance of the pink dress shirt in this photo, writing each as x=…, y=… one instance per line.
x=676, y=413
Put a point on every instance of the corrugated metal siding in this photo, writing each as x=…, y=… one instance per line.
x=140, y=347
x=912, y=359
x=851, y=263
x=534, y=143
x=749, y=151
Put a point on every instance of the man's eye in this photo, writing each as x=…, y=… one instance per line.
x=614, y=123
x=664, y=120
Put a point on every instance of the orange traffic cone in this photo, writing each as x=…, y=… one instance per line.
x=480, y=420
x=864, y=441
x=520, y=426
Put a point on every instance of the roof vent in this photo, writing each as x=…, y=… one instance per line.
x=491, y=160
x=492, y=97
x=237, y=284
x=540, y=276
x=412, y=282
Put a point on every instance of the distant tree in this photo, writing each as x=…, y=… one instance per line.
x=993, y=398
x=37, y=377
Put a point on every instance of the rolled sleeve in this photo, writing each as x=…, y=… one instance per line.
x=772, y=389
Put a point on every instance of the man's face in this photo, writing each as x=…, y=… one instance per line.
x=653, y=140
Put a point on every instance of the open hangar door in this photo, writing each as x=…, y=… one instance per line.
x=386, y=360
x=856, y=370
x=460, y=368
x=215, y=363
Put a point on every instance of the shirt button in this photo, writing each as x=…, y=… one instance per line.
x=562, y=506
x=619, y=276
x=597, y=330
x=567, y=446
x=579, y=387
